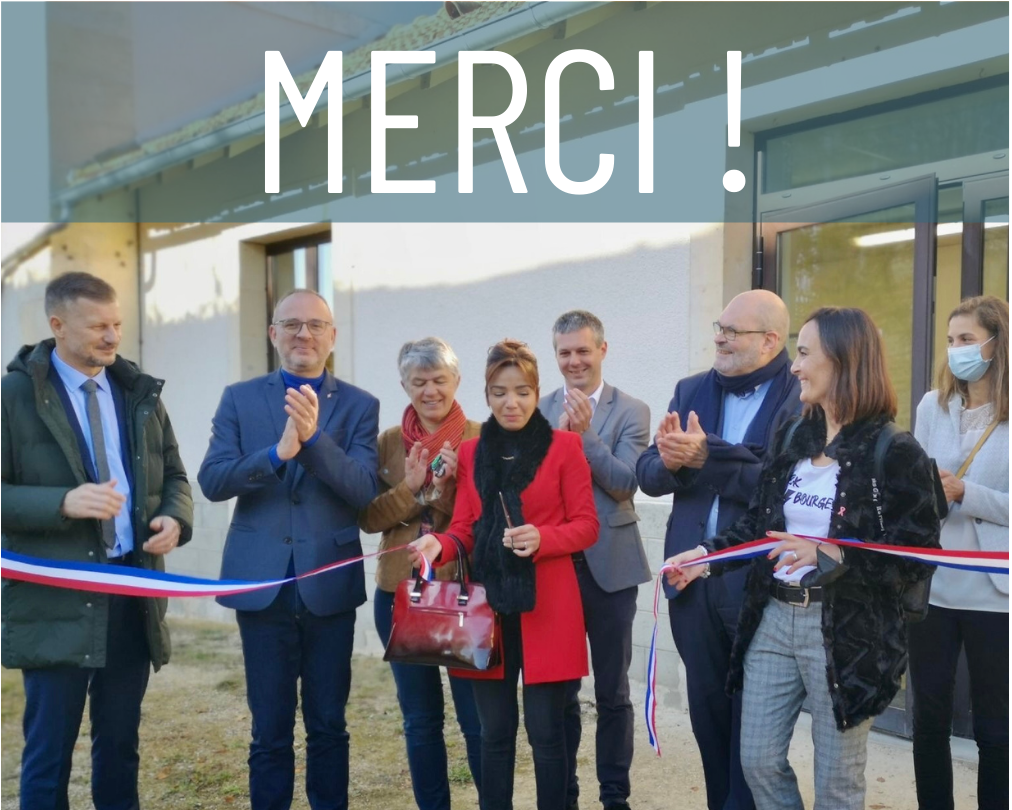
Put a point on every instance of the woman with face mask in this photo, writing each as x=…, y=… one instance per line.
x=525, y=505
x=966, y=420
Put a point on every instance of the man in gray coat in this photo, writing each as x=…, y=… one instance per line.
x=91, y=474
x=615, y=429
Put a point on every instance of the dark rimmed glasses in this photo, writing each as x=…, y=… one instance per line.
x=292, y=326
x=730, y=333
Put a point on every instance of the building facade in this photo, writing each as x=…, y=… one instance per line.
x=874, y=141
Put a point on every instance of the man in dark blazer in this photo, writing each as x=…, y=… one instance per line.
x=615, y=429
x=91, y=474
x=708, y=453
x=297, y=449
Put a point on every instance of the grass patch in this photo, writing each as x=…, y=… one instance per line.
x=195, y=734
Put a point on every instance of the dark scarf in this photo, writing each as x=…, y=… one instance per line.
x=709, y=400
x=508, y=579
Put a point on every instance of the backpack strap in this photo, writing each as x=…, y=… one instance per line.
x=885, y=438
x=785, y=443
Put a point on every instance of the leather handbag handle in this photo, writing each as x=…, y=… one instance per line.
x=416, y=590
x=463, y=572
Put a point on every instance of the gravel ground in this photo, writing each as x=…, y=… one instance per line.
x=194, y=739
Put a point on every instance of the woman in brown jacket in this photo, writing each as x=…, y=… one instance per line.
x=417, y=474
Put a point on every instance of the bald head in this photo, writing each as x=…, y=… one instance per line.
x=760, y=322
x=767, y=310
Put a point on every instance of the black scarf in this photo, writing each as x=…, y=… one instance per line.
x=708, y=402
x=746, y=382
x=508, y=579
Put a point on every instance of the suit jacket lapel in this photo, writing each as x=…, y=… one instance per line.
x=604, y=406
x=328, y=400
x=275, y=397
x=555, y=407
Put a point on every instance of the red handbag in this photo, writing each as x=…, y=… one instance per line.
x=444, y=623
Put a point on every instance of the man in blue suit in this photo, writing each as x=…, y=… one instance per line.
x=708, y=453
x=297, y=449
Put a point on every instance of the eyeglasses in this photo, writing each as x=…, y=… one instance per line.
x=730, y=334
x=293, y=326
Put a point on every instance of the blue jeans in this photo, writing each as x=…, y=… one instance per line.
x=283, y=644
x=420, y=695
x=54, y=706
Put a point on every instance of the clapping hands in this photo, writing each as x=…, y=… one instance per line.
x=680, y=447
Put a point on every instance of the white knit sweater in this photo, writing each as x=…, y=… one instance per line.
x=981, y=520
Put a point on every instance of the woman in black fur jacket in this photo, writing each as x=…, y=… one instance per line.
x=820, y=622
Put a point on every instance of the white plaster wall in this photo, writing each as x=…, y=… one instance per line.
x=23, y=316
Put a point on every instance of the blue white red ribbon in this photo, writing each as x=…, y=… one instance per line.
x=126, y=581
x=114, y=579
x=988, y=562
x=425, y=569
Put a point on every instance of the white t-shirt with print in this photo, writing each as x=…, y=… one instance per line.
x=808, y=505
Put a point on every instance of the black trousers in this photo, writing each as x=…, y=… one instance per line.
x=609, y=619
x=704, y=618
x=544, y=704
x=934, y=652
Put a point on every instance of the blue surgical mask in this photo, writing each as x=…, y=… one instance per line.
x=966, y=363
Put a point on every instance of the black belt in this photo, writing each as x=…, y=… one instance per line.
x=126, y=559
x=793, y=595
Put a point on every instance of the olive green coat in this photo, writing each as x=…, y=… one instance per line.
x=45, y=626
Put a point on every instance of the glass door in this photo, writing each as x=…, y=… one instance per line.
x=875, y=251
x=985, y=236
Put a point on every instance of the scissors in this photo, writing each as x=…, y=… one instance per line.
x=506, y=512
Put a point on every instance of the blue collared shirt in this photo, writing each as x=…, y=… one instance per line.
x=739, y=411
x=72, y=381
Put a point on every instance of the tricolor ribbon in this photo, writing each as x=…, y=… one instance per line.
x=425, y=569
x=126, y=581
x=988, y=562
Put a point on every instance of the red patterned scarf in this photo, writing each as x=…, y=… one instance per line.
x=451, y=430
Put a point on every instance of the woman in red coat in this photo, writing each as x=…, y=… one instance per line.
x=527, y=570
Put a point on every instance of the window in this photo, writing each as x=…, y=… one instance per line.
x=916, y=131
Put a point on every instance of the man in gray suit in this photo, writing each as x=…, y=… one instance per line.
x=615, y=430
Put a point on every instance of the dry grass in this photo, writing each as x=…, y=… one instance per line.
x=195, y=737
x=195, y=734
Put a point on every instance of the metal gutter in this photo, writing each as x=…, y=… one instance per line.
x=532, y=17
x=12, y=262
